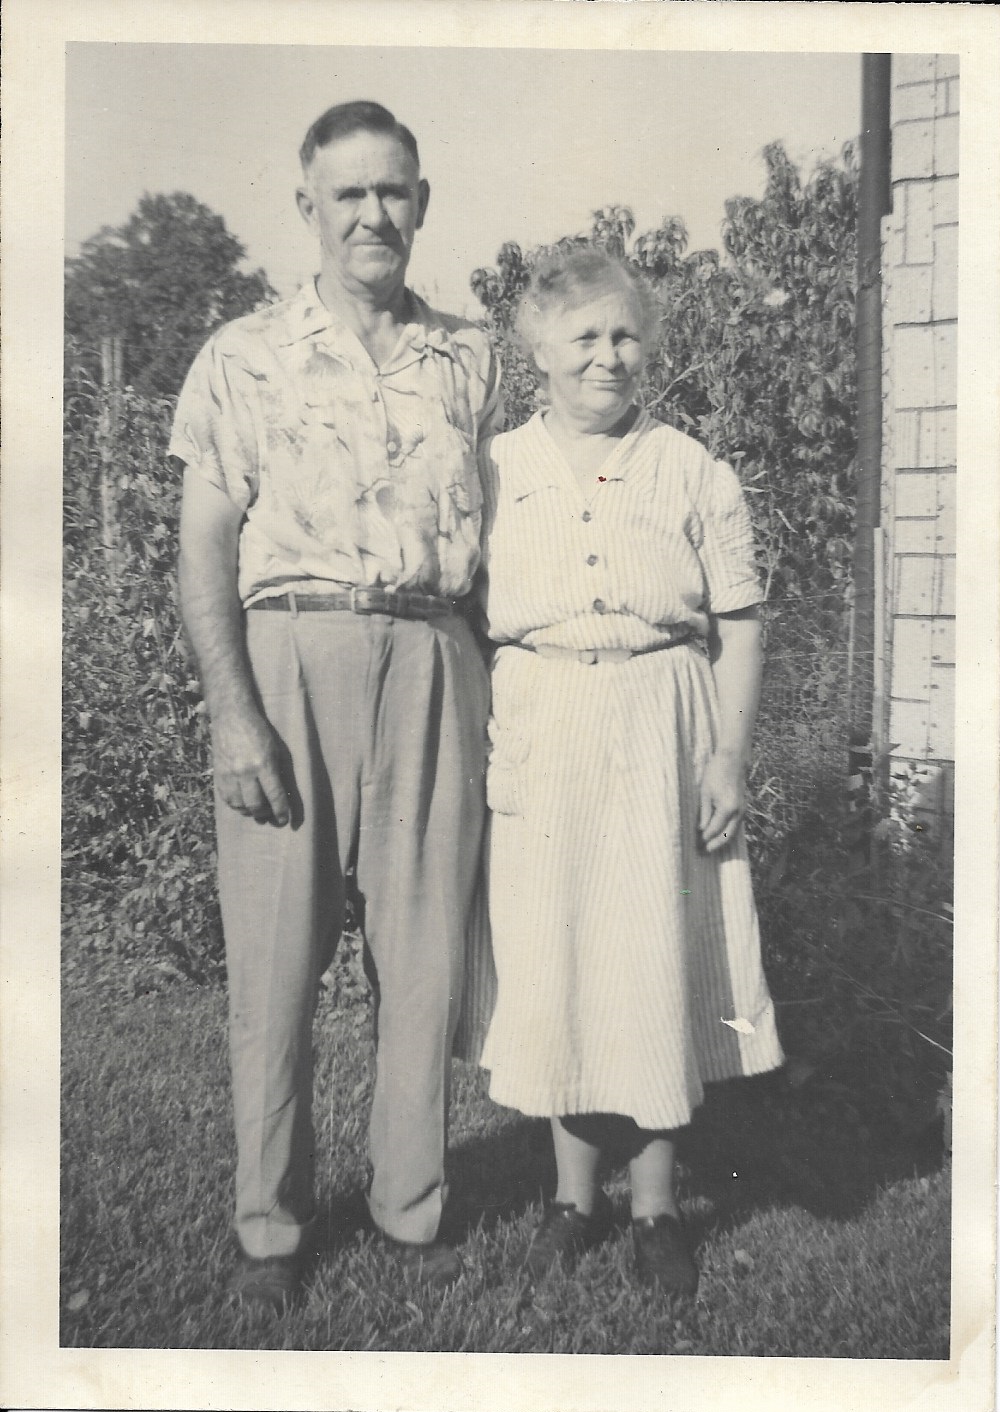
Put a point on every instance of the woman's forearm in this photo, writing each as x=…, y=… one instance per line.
x=737, y=660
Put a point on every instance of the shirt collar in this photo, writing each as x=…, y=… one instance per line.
x=306, y=316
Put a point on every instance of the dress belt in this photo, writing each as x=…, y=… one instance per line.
x=396, y=603
x=593, y=656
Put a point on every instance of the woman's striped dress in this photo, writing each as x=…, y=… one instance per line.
x=628, y=961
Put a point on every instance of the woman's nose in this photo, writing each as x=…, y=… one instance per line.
x=606, y=353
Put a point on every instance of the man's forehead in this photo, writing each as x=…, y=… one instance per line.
x=372, y=155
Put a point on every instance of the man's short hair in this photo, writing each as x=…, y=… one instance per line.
x=346, y=118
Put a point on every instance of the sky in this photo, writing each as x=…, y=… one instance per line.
x=518, y=144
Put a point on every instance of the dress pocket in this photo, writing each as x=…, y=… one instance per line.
x=506, y=769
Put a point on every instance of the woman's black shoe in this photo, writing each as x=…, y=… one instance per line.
x=662, y=1257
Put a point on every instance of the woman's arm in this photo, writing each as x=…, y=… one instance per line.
x=734, y=646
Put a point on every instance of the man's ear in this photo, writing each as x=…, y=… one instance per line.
x=306, y=205
x=423, y=196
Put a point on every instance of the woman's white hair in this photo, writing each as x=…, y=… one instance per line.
x=569, y=278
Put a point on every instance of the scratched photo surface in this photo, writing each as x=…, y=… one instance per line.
x=777, y=1026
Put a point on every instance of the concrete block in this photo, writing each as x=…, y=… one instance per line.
x=943, y=641
x=913, y=68
x=945, y=365
x=925, y=372
x=919, y=233
x=946, y=146
x=906, y=435
x=941, y=716
x=908, y=722
x=917, y=101
x=946, y=66
x=898, y=214
x=913, y=371
x=915, y=582
x=913, y=150
x=947, y=486
x=944, y=586
x=937, y=438
x=911, y=659
x=911, y=294
x=944, y=299
x=954, y=95
x=915, y=536
x=916, y=496
x=945, y=201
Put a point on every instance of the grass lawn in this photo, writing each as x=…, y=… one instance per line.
x=821, y=1233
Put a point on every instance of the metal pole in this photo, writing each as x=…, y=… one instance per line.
x=874, y=201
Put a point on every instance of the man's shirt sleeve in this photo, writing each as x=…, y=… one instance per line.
x=213, y=429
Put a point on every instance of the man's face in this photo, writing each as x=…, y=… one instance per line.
x=364, y=199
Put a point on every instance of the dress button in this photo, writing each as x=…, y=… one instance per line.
x=591, y=559
x=586, y=517
x=392, y=447
x=599, y=605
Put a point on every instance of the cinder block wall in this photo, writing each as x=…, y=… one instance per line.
x=920, y=283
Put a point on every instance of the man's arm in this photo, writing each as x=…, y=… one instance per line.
x=735, y=652
x=244, y=747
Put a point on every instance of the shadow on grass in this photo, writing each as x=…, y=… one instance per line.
x=754, y=1145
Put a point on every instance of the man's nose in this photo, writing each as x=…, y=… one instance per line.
x=373, y=214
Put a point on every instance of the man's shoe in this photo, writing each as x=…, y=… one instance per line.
x=273, y=1281
x=564, y=1234
x=435, y=1263
x=662, y=1257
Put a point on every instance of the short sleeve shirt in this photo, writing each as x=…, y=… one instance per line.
x=664, y=540
x=347, y=473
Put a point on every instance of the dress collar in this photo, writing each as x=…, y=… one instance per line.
x=548, y=466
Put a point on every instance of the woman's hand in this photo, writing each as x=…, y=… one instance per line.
x=722, y=798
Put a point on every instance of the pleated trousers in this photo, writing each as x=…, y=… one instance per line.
x=382, y=724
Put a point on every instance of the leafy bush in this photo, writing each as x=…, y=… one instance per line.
x=859, y=953
x=137, y=828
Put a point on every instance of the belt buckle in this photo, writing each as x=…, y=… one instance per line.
x=356, y=605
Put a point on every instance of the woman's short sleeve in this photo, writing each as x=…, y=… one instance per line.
x=727, y=548
x=213, y=428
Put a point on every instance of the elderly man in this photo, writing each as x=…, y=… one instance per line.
x=329, y=533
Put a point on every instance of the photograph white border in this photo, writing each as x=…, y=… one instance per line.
x=34, y=1371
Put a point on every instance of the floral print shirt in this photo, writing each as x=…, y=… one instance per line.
x=347, y=473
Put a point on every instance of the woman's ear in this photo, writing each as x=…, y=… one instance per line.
x=540, y=357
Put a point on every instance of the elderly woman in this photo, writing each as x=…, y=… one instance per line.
x=622, y=596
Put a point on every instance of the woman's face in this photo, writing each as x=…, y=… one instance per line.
x=594, y=356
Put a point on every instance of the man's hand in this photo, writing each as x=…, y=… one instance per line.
x=247, y=761
x=246, y=752
x=722, y=797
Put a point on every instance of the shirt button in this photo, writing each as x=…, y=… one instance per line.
x=586, y=517
x=591, y=559
x=392, y=447
x=599, y=605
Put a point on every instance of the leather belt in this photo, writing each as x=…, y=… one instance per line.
x=396, y=603
x=594, y=656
